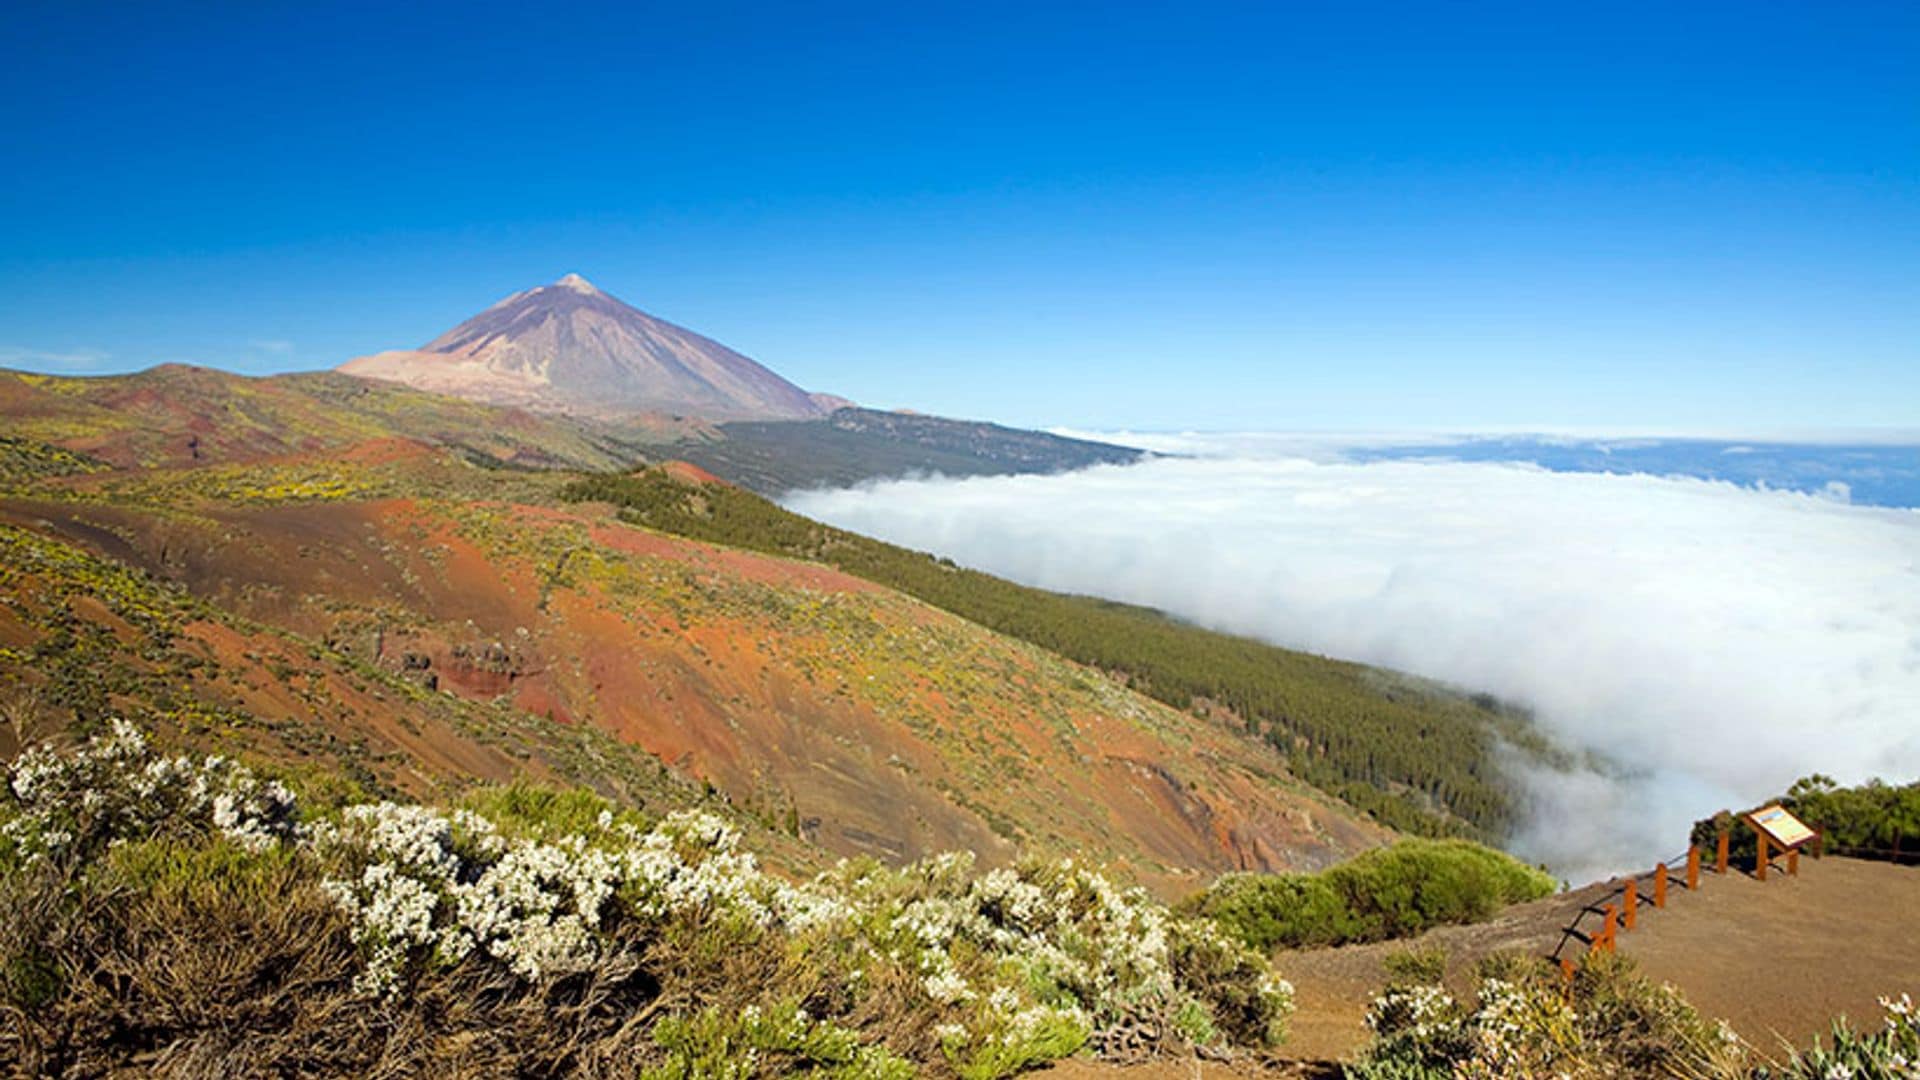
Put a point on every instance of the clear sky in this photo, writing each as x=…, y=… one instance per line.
x=1341, y=215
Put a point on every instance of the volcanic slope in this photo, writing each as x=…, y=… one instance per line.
x=434, y=621
x=1418, y=756
x=176, y=415
x=181, y=415
x=570, y=345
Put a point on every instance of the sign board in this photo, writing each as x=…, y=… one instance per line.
x=1779, y=826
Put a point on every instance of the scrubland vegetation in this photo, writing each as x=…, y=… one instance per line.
x=1390, y=892
x=1522, y=1020
x=1418, y=759
x=24, y=461
x=187, y=914
x=184, y=913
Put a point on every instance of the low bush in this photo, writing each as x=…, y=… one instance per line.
x=1389, y=892
x=1426, y=965
x=1891, y=1053
x=183, y=915
x=1522, y=1024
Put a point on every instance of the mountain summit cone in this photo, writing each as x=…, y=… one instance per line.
x=569, y=345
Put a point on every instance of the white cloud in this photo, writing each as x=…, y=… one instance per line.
x=1314, y=446
x=1715, y=642
x=16, y=356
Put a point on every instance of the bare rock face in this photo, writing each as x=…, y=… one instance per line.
x=570, y=346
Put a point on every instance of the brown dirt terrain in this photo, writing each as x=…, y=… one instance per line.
x=863, y=721
x=1777, y=960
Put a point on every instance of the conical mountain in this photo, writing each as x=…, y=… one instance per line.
x=569, y=345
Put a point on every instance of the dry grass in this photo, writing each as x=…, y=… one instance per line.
x=212, y=980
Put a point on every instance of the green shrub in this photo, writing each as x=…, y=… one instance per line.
x=783, y=1040
x=1242, y=997
x=545, y=813
x=1889, y=1052
x=1425, y=966
x=1639, y=1027
x=1268, y=910
x=1522, y=1024
x=1390, y=892
x=1030, y=1038
x=172, y=866
x=1404, y=889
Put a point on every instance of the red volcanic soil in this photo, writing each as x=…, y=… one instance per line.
x=877, y=725
x=388, y=451
x=434, y=751
x=688, y=473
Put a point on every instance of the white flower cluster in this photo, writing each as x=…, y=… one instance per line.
x=1514, y=1029
x=115, y=788
x=1421, y=1015
x=1041, y=954
x=392, y=915
x=452, y=885
x=1095, y=954
x=1891, y=1053
x=1519, y=1031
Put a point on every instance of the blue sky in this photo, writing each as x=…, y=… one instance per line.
x=1680, y=217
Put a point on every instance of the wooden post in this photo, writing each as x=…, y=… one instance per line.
x=1760, y=857
x=1819, y=843
x=1660, y=885
x=1610, y=928
x=1720, y=856
x=1693, y=868
x=1566, y=977
x=1632, y=899
x=1793, y=862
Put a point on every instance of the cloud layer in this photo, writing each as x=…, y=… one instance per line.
x=1715, y=642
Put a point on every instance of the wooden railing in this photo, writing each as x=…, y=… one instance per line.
x=1624, y=915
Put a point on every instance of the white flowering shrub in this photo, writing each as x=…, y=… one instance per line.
x=1028, y=964
x=67, y=806
x=437, y=888
x=1417, y=1028
x=1891, y=1053
x=1522, y=1025
x=990, y=972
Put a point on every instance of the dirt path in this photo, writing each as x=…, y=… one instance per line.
x=1779, y=959
x=1333, y=986
x=1776, y=960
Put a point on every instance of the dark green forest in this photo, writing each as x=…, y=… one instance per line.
x=1874, y=820
x=855, y=445
x=1417, y=756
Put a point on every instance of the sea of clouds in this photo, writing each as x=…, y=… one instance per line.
x=1711, y=642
